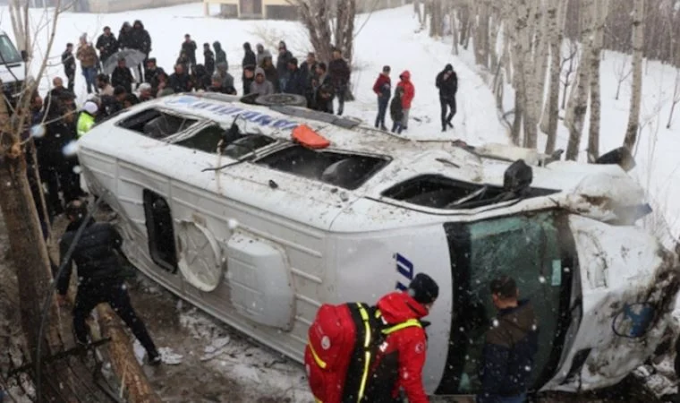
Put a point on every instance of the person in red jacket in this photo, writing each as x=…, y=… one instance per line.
x=382, y=88
x=407, y=98
x=399, y=364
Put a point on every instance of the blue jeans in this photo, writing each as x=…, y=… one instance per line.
x=90, y=73
x=382, y=110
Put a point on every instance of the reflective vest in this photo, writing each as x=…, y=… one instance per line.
x=85, y=123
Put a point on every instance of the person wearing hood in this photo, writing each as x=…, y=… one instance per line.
x=338, y=69
x=249, y=58
x=261, y=54
x=447, y=82
x=124, y=36
x=86, y=118
x=282, y=64
x=100, y=277
x=208, y=59
x=189, y=49
x=140, y=40
x=510, y=347
x=407, y=97
x=106, y=44
x=401, y=357
x=220, y=54
x=260, y=84
x=382, y=88
x=296, y=81
x=122, y=76
x=271, y=74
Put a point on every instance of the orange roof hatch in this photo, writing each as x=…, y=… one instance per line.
x=307, y=137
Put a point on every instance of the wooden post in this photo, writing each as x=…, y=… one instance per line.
x=122, y=356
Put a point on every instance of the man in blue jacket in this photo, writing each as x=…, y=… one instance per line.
x=510, y=347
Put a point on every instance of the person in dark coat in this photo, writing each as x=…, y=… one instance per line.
x=323, y=99
x=382, y=88
x=106, y=44
x=510, y=347
x=249, y=58
x=248, y=78
x=320, y=79
x=397, y=110
x=308, y=68
x=183, y=59
x=69, y=62
x=140, y=40
x=152, y=72
x=339, y=71
x=189, y=49
x=296, y=81
x=179, y=81
x=201, y=78
x=220, y=54
x=100, y=277
x=271, y=74
x=447, y=82
x=122, y=76
x=208, y=59
x=125, y=36
x=282, y=64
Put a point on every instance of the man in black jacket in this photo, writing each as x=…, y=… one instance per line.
x=140, y=40
x=189, y=48
x=69, y=62
x=447, y=82
x=296, y=81
x=107, y=45
x=338, y=70
x=100, y=276
x=122, y=76
x=179, y=81
x=208, y=59
x=510, y=347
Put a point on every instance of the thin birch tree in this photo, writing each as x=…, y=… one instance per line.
x=601, y=8
x=556, y=15
x=636, y=88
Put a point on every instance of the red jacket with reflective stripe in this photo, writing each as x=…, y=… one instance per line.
x=410, y=343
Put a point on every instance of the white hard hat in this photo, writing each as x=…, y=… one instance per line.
x=90, y=107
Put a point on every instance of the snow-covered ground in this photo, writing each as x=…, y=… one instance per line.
x=385, y=37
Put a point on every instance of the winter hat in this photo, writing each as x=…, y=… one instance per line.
x=259, y=70
x=406, y=75
x=386, y=69
x=423, y=289
x=144, y=87
x=90, y=107
x=448, y=67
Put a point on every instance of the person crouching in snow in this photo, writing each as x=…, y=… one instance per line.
x=397, y=110
x=261, y=85
x=86, y=118
x=407, y=96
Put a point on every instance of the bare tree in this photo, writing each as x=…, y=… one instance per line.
x=454, y=29
x=556, y=15
x=622, y=71
x=601, y=8
x=676, y=98
x=636, y=91
x=481, y=37
x=577, y=110
x=571, y=60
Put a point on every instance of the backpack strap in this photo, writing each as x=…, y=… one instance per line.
x=367, y=343
x=402, y=325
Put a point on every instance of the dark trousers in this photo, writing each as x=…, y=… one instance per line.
x=382, y=110
x=396, y=126
x=59, y=176
x=340, y=95
x=71, y=77
x=113, y=292
x=447, y=104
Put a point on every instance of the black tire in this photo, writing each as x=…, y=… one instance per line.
x=281, y=99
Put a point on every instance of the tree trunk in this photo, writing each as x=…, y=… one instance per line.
x=594, y=127
x=123, y=359
x=636, y=90
x=541, y=53
x=31, y=263
x=580, y=104
x=515, y=134
x=528, y=13
x=482, y=34
x=556, y=14
x=454, y=32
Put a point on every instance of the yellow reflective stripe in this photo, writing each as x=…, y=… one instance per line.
x=318, y=360
x=403, y=325
x=317, y=400
x=367, y=353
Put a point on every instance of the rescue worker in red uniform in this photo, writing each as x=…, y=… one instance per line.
x=401, y=356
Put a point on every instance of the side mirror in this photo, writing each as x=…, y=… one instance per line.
x=619, y=156
x=24, y=55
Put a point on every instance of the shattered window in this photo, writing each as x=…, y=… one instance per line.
x=156, y=124
x=347, y=171
x=437, y=191
x=208, y=138
x=527, y=248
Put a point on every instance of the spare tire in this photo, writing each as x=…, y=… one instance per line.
x=281, y=99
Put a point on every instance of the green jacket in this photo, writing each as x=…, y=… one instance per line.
x=85, y=123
